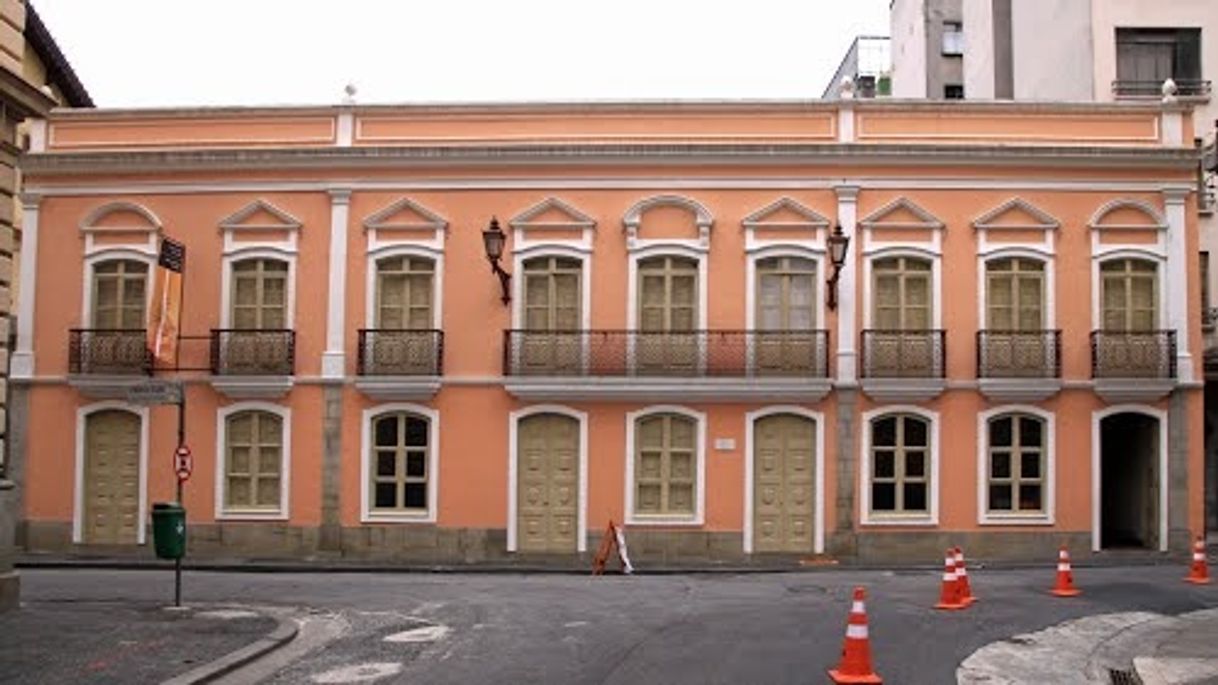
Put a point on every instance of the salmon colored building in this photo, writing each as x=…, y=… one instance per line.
x=1006, y=359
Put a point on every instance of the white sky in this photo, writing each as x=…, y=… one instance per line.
x=245, y=52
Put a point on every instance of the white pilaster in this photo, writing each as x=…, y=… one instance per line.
x=1179, y=305
x=333, y=362
x=22, y=363
x=847, y=334
x=345, y=132
x=38, y=134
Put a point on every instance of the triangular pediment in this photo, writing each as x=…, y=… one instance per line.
x=1016, y=213
x=405, y=214
x=260, y=215
x=901, y=213
x=785, y=213
x=552, y=213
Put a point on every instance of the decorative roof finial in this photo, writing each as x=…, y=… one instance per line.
x=846, y=89
x=350, y=91
x=1169, y=91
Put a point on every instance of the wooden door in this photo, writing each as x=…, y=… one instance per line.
x=548, y=484
x=112, y=478
x=784, y=474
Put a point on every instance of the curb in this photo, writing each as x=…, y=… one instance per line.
x=283, y=633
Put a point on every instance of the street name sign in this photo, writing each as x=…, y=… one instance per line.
x=155, y=392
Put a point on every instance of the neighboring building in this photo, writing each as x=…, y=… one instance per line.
x=927, y=49
x=868, y=65
x=1011, y=361
x=34, y=76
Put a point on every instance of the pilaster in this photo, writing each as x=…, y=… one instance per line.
x=333, y=360
x=1179, y=304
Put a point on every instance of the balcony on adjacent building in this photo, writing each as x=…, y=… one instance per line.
x=1133, y=365
x=1185, y=88
x=400, y=364
x=904, y=365
x=1019, y=366
x=253, y=363
x=714, y=364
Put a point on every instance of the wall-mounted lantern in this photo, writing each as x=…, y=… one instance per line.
x=838, y=243
x=493, y=239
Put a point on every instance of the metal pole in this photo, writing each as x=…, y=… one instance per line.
x=177, y=563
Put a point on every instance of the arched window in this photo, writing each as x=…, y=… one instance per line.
x=900, y=474
x=1129, y=295
x=120, y=287
x=404, y=288
x=665, y=465
x=902, y=294
x=400, y=472
x=253, y=462
x=786, y=294
x=1015, y=294
x=552, y=294
x=1016, y=468
x=259, y=299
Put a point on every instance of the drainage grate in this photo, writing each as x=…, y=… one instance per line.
x=1119, y=677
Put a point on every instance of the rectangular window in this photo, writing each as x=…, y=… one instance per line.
x=902, y=294
x=404, y=293
x=552, y=314
x=253, y=461
x=259, y=298
x=665, y=466
x=900, y=465
x=666, y=342
x=953, y=91
x=1146, y=57
x=1129, y=294
x=1015, y=294
x=1016, y=465
x=953, y=38
x=119, y=288
x=400, y=468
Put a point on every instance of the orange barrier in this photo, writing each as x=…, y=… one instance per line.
x=949, y=595
x=1064, y=587
x=613, y=541
x=855, y=666
x=966, y=589
x=1199, y=574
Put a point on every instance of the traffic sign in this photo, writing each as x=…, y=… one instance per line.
x=183, y=462
x=155, y=392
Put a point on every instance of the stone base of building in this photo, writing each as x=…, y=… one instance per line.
x=10, y=590
x=436, y=546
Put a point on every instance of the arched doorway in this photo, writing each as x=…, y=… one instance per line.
x=1130, y=481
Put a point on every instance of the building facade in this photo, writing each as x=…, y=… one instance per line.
x=34, y=76
x=1007, y=359
x=928, y=49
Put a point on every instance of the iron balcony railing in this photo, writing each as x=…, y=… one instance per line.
x=904, y=354
x=1019, y=354
x=400, y=352
x=109, y=351
x=702, y=353
x=1184, y=88
x=269, y=352
x=1133, y=354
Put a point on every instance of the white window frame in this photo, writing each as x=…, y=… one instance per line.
x=777, y=251
x=750, y=425
x=1097, y=302
x=936, y=280
x=78, y=500
x=514, y=419
x=404, y=250
x=109, y=255
x=1048, y=260
x=223, y=513
x=1049, y=516
x=866, y=517
x=632, y=293
x=226, y=281
x=367, y=514
x=1153, y=252
x=699, y=515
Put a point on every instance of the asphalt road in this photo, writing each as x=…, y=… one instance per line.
x=755, y=628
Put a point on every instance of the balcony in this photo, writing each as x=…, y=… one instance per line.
x=253, y=363
x=1019, y=366
x=104, y=362
x=711, y=365
x=400, y=364
x=1130, y=366
x=1185, y=88
x=904, y=366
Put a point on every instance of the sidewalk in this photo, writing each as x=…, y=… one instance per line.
x=1162, y=650
x=103, y=642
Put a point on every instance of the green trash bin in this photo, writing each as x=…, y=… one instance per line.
x=169, y=530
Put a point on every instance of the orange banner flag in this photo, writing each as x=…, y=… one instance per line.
x=165, y=314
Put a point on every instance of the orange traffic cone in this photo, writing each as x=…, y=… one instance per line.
x=966, y=590
x=1064, y=587
x=949, y=595
x=855, y=666
x=1200, y=571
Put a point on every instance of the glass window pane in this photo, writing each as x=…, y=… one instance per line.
x=416, y=496
x=915, y=432
x=917, y=291
x=1000, y=432
x=680, y=466
x=1029, y=497
x=883, y=496
x=387, y=431
x=386, y=464
x=1029, y=465
x=268, y=460
x=1030, y=431
x=884, y=464
x=268, y=492
x=682, y=432
x=416, y=464
x=915, y=496
x=681, y=498
x=1000, y=497
x=1000, y=465
x=239, y=492
x=915, y=464
x=648, y=498
x=239, y=460
x=386, y=496
x=416, y=432
x=884, y=431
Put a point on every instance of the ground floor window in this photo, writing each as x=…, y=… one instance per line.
x=400, y=463
x=1016, y=464
x=253, y=462
x=900, y=468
